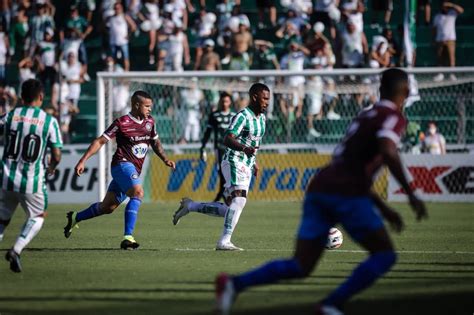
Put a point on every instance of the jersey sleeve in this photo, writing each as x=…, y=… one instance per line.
x=54, y=135
x=392, y=128
x=237, y=124
x=154, y=134
x=111, y=132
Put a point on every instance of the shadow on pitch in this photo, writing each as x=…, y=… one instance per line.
x=438, y=304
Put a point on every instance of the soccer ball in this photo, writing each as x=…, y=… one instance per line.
x=334, y=239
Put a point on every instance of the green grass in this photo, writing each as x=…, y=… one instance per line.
x=88, y=274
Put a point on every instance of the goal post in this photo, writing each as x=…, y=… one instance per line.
x=308, y=114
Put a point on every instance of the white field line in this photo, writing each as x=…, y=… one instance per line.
x=333, y=251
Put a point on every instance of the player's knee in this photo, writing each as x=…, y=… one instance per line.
x=136, y=192
x=238, y=202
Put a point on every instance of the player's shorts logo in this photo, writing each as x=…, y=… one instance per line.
x=140, y=150
x=134, y=176
x=148, y=126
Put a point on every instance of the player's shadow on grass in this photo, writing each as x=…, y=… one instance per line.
x=436, y=304
x=147, y=290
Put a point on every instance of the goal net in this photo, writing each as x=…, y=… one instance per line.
x=308, y=114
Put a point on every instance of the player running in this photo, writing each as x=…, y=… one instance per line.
x=242, y=139
x=28, y=131
x=341, y=193
x=134, y=133
x=217, y=124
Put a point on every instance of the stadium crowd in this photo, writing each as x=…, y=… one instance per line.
x=186, y=35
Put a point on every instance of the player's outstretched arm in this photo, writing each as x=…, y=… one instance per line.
x=392, y=160
x=232, y=143
x=93, y=148
x=393, y=217
x=158, y=149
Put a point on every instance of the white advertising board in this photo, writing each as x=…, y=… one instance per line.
x=447, y=177
x=66, y=187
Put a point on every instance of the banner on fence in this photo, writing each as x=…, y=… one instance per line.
x=447, y=177
x=281, y=177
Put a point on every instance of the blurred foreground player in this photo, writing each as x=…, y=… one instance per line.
x=134, y=133
x=28, y=131
x=341, y=193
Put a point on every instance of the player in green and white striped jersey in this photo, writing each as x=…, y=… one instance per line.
x=28, y=132
x=243, y=138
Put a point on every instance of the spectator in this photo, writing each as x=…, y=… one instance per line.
x=326, y=11
x=86, y=8
x=434, y=141
x=26, y=70
x=424, y=6
x=294, y=60
x=205, y=30
x=385, y=7
x=151, y=23
x=317, y=42
x=380, y=55
x=40, y=23
x=210, y=60
x=190, y=100
x=354, y=46
x=180, y=11
x=224, y=13
x=4, y=53
x=5, y=14
x=7, y=98
x=47, y=52
x=19, y=39
x=79, y=29
x=177, y=48
x=240, y=45
x=445, y=35
x=120, y=25
x=262, y=6
x=73, y=77
x=299, y=23
x=393, y=47
x=288, y=33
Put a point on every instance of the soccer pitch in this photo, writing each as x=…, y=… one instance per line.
x=174, y=269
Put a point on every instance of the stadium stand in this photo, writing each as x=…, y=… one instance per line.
x=178, y=14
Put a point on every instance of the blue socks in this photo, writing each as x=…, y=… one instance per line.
x=91, y=212
x=362, y=277
x=131, y=213
x=269, y=273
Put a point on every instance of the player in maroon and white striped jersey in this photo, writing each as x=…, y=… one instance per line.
x=134, y=134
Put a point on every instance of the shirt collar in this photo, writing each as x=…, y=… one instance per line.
x=138, y=121
x=387, y=103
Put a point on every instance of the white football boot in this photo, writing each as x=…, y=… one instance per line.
x=225, y=294
x=227, y=246
x=182, y=210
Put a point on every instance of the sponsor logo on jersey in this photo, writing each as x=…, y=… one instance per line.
x=134, y=176
x=140, y=150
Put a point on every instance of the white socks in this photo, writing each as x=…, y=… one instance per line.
x=28, y=232
x=232, y=218
x=215, y=209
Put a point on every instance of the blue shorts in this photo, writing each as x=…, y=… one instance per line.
x=321, y=212
x=123, y=48
x=125, y=176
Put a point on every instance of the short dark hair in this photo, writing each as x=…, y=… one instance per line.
x=221, y=97
x=31, y=90
x=392, y=83
x=257, y=88
x=139, y=96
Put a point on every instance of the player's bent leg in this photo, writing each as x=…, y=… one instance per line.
x=8, y=203
x=382, y=258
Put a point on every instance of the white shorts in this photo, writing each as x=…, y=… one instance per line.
x=237, y=176
x=33, y=204
x=315, y=103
